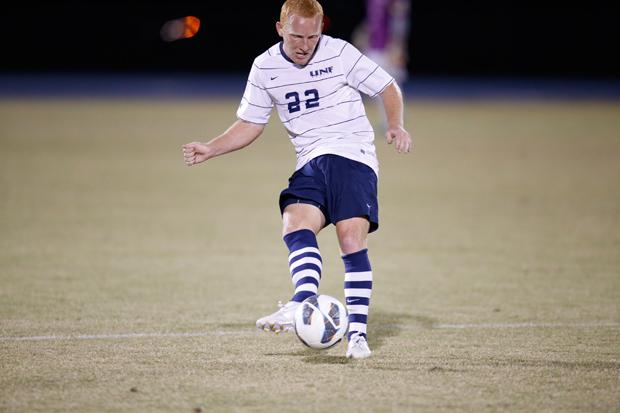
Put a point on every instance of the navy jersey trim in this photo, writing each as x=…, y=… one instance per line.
x=333, y=124
x=384, y=87
x=302, y=83
x=251, y=121
x=354, y=64
x=316, y=49
x=366, y=78
x=284, y=55
x=254, y=104
x=318, y=110
x=288, y=59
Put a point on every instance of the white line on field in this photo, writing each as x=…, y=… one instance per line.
x=123, y=336
x=593, y=324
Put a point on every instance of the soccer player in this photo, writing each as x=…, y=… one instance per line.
x=388, y=30
x=383, y=37
x=314, y=81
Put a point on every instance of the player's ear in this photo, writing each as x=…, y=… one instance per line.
x=280, y=29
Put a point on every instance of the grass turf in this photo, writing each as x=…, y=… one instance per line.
x=497, y=263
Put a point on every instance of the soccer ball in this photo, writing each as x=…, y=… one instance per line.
x=321, y=321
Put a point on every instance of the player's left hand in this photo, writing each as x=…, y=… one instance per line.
x=401, y=137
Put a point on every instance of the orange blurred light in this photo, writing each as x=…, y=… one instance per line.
x=192, y=24
x=181, y=28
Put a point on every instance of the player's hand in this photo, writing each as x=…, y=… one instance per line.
x=194, y=153
x=401, y=138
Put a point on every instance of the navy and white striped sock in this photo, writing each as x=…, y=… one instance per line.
x=305, y=263
x=357, y=290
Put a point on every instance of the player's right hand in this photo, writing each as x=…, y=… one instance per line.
x=398, y=134
x=195, y=153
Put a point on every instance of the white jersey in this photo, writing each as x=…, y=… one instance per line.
x=319, y=104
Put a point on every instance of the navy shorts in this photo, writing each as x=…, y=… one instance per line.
x=340, y=187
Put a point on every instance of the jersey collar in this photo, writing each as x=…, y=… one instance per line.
x=288, y=59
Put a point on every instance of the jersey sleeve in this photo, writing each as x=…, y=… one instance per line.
x=363, y=73
x=256, y=104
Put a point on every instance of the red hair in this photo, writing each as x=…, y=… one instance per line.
x=303, y=8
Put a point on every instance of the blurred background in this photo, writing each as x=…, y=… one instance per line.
x=509, y=44
x=131, y=283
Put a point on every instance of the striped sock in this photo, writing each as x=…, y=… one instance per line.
x=305, y=263
x=357, y=290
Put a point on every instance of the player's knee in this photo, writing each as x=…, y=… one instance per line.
x=351, y=241
x=352, y=235
x=296, y=225
x=302, y=216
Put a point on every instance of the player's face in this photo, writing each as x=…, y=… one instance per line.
x=300, y=36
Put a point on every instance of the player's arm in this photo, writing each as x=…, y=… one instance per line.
x=239, y=135
x=392, y=98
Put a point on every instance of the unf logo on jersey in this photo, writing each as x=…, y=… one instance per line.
x=320, y=72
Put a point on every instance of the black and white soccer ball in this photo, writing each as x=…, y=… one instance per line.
x=321, y=321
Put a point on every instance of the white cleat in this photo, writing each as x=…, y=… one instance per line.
x=358, y=347
x=282, y=320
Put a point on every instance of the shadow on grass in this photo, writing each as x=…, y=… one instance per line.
x=322, y=358
x=233, y=326
x=382, y=326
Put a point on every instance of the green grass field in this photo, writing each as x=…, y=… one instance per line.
x=131, y=283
